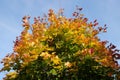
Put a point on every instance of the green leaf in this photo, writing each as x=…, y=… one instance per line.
x=53, y=72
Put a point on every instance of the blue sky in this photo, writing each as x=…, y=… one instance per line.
x=12, y=11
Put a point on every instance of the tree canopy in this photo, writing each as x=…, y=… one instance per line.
x=55, y=47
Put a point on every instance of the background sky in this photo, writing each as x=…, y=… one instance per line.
x=12, y=11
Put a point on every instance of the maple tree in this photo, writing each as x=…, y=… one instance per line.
x=59, y=48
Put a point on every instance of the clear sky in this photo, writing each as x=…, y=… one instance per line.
x=12, y=11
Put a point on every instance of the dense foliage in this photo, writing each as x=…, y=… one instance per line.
x=59, y=48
